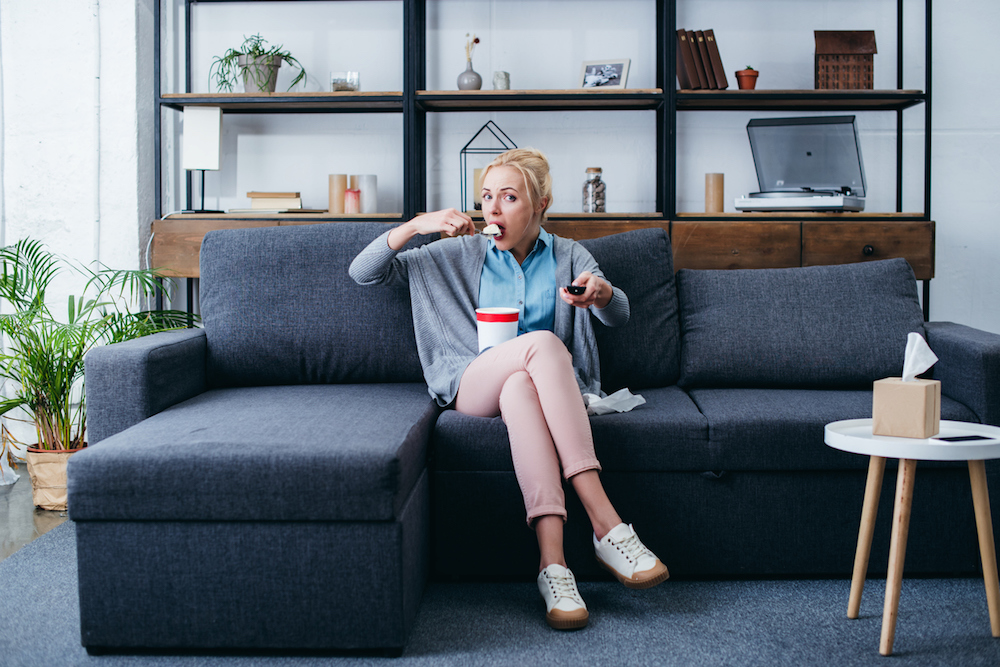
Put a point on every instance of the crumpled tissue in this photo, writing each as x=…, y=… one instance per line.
x=621, y=401
x=918, y=357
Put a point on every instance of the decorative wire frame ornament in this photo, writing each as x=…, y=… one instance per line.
x=468, y=150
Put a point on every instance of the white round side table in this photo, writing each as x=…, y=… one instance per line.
x=957, y=441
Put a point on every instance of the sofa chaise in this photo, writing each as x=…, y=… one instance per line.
x=281, y=479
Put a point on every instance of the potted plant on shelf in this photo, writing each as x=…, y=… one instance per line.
x=41, y=363
x=747, y=78
x=256, y=62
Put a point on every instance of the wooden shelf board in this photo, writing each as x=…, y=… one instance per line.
x=539, y=100
x=556, y=215
x=761, y=215
x=797, y=100
x=596, y=228
x=458, y=100
x=289, y=102
x=285, y=217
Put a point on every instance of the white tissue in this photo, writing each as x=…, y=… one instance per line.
x=621, y=401
x=919, y=357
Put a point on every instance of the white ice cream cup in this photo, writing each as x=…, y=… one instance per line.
x=496, y=325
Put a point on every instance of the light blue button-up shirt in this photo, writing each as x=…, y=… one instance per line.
x=530, y=287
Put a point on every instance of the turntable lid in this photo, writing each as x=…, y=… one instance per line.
x=816, y=152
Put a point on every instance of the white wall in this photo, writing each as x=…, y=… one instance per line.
x=77, y=126
x=58, y=186
x=965, y=163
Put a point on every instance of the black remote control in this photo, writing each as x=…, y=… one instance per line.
x=576, y=290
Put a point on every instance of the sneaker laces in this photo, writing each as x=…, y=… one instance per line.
x=632, y=548
x=564, y=587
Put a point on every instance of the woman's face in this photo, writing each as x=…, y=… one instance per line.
x=506, y=204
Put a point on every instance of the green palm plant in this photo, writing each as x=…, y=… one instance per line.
x=42, y=357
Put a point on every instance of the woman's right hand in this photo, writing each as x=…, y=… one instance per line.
x=449, y=221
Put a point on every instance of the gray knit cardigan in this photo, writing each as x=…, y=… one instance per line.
x=443, y=279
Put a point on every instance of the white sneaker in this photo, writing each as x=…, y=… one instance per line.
x=564, y=608
x=628, y=559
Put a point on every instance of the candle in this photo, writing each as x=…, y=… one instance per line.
x=368, y=184
x=338, y=183
x=352, y=201
x=714, y=198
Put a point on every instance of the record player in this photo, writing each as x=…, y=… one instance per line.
x=806, y=164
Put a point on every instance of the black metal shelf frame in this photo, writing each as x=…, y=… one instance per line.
x=415, y=102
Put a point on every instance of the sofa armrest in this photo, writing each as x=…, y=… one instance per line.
x=968, y=367
x=130, y=381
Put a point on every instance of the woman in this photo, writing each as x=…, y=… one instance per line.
x=535, y=381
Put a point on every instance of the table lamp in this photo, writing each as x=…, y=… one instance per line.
x=202, y=145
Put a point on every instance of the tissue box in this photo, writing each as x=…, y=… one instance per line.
x=906, y=409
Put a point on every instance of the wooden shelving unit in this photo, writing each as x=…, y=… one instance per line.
x=414, y=102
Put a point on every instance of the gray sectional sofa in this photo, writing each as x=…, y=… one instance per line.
x=281, y=479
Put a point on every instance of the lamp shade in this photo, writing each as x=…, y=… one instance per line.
x=202, y=144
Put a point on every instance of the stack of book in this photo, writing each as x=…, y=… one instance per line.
x=699, y=65
x=272, y=201
x=275, y=202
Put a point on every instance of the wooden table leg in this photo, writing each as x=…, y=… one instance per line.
x=897, y=551
x=987, y=549
x=873, y=489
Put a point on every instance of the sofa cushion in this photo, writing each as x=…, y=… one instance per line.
x=783, y=429
x=279, y=308
x=667, y=433
x=298, y=453
x=645, y=352
x=819, y=326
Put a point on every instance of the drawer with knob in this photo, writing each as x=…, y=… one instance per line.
x=844, y=243
x=735, y=245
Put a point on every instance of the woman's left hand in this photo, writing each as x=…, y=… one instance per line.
x=597, y=292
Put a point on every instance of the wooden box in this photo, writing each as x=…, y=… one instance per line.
x=845, y=59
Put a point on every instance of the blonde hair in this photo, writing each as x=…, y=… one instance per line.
x=534, y=167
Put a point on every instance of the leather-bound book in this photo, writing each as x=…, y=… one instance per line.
x=685, y=61
x=713, y=55
x=696, y=56
x=699, y=37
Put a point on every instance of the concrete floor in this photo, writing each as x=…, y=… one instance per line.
x=20, y=520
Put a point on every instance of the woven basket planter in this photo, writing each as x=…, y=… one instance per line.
x=47, y=470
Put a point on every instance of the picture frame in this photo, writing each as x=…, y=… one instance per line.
x=610, y=73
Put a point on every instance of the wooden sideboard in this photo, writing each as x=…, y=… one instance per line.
x=736, y=241
x=752, y=243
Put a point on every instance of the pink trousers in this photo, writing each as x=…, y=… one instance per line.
x=529, y=381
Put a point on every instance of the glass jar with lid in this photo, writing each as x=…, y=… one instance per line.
x=593, y=191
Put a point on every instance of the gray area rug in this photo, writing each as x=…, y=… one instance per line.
x=941, y=622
